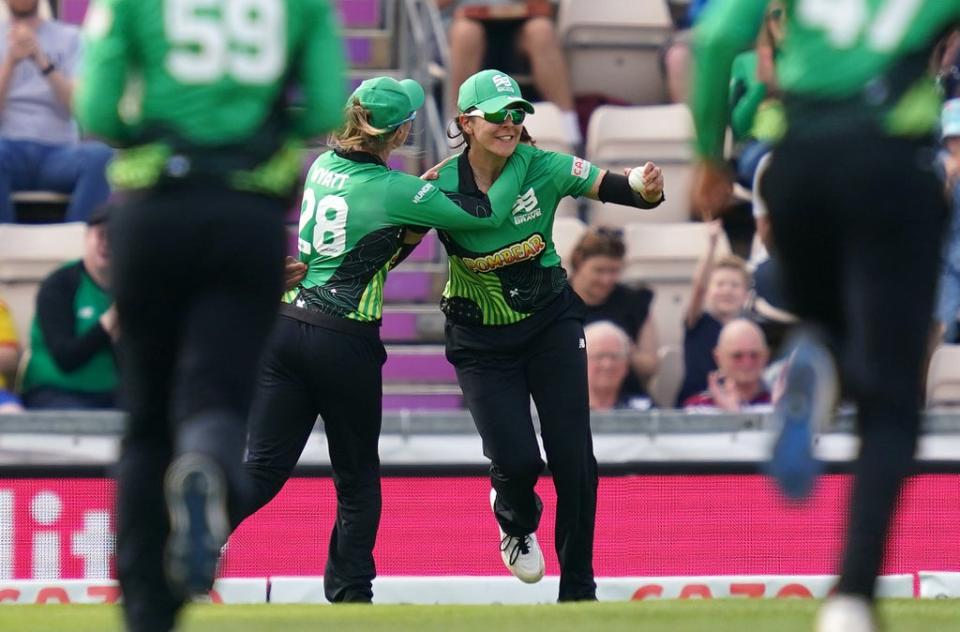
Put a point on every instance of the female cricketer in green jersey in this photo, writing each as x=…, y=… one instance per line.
x=210, y=158
x=325, y=354
x=515, y=330
x=858, y=216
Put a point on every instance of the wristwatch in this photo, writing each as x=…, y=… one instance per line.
x=50, y=68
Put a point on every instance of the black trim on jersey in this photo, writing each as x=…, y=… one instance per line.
x=616, y=188
x=57, y=320
x=341, y=293
x=360, y=156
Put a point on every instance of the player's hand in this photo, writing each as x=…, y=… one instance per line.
x=766, y=70
x=110, y=322
x=712, y=190
x=652, y=182
x=293, y=272
x=434, y=172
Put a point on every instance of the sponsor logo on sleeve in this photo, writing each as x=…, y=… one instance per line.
x=422, y=193
x=581, y=168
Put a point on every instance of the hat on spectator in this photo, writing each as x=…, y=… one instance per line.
x=950, y=119
x=391, y=103
x=491, y=91
x=100, y=215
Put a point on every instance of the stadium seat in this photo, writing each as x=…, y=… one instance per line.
x=566, y=233
x=620, y=137
x=943, y=378
x=665, y=384
x=547, y=129
x=621, y=38
x=28, y=253
x=664, y=257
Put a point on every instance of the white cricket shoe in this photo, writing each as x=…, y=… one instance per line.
x=846, y=613
x=521, y=555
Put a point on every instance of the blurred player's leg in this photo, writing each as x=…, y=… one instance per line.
x=495, y=391
x=557, y=373
x=282, y=416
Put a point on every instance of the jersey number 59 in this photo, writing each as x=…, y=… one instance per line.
x=211, y=39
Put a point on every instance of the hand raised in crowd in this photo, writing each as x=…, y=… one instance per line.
x=652, y=181
x=712, y=190
x=766, y=70
x=723, y=391
x=22, y=42
x=293, y=272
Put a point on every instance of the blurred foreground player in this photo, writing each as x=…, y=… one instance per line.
x=211, y=157
x=858, y=214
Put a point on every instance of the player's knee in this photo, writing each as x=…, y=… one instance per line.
x=538, y=34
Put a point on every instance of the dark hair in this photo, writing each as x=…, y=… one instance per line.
x=465, y=140
x=598, y=242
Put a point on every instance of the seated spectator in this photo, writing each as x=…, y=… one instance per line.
x=71, y=341
x=9, y=359
x=737, y=384
x=595, y=268
x=948, y=301
x=39, y=142
x=492, y=33
x=719, y=294
x=608, y=353
x=756, y=118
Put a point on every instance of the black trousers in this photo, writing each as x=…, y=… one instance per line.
x=858, y=224
x=499, y=371
x=309, y=370
x=197, y=273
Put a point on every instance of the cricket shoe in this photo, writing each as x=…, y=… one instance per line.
x=196, y=495
x=846, y=613
x=521, y=554
x=804, y=407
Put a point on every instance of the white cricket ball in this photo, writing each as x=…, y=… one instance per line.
x=636, y=179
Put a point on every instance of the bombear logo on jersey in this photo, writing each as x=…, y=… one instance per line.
x=527, y=249
x=526, y=208
x=502, y=83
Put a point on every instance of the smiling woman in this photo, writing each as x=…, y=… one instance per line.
x=515, y=329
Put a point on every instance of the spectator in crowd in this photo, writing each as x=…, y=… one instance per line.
x=719, y=293
x=737, y=384
x=756, y=117
x=72, y=363
x=9, y=359
x=948, y=301
x=595, y=270
x=491, y=33
x=39, y=141
x=608, y=364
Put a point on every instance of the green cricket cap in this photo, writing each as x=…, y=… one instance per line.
x=389, y=102
x=490, y=91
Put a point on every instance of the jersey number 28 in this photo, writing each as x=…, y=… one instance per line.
x=211, y=39
x=330, y=224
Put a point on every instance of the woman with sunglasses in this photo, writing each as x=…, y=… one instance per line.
x=515, y=330
x=325, y=354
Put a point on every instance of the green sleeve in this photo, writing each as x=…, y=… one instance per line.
x=322, y=72
x=727, y=27
x=747, y=94
x=573, y=176
x=104, y=71
x=415, y=201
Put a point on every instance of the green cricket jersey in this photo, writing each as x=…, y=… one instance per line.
x=210, y=80
x=846, y=65
x=351, y=222
x=500, y=276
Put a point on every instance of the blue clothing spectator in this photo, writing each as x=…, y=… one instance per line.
x=39, y=141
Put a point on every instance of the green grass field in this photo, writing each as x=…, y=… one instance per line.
x=665, y=616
